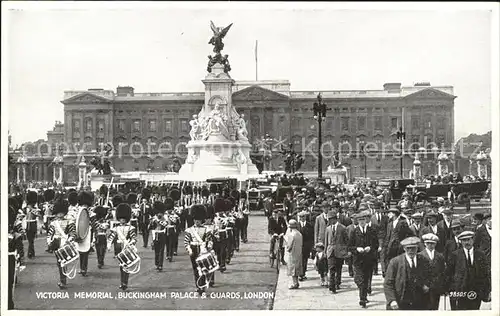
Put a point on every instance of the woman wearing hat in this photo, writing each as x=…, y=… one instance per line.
x=293, y=240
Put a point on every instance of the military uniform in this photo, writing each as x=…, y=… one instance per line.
x=100, y=228
x=158, y=228
x=197, y=240
x=221, y=241
x=144, y=216
x=122, y=235
x=61, y=231
x=172, y=229
x=16, y=252
x=32, y=213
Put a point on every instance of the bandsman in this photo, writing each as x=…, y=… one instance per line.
x=132, y=200
x=16, y=252
x=49, y=215
x=144, y=215
x=85, y=200
x=157, y=226
x=212, y=230
x=246, y=212
x=100, y=227
x=31, y=213
x=172, y=228
x=61, y=232
x=121, y=236
x=221, y=240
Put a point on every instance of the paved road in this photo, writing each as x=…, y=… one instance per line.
x=249, y=272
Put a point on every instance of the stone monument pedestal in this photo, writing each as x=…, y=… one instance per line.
x=337, y=174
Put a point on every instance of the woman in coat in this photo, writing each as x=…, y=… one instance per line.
x=293, y=240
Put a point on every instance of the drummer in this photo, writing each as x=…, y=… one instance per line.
x=85, y=200
x=197, y=241
x=61, y=232
x=122, y=235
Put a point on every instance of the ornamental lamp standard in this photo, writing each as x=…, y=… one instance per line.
x=400, y=135
x=319, y=110
x=363, y=152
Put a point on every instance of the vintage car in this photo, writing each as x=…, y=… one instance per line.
x=397, y=187
x=255, y=198
x=464, y=191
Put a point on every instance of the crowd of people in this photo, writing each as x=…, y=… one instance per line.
x=426, y=252
x=214, y=220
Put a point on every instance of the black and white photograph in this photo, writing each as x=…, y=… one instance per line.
x=241, y=156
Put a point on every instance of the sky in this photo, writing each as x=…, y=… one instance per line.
x=165, y=50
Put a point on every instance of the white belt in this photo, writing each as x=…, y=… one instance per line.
x=169, y=226
x=159, y=231
x=13, y=253
x=31, y=220
x=134, y=219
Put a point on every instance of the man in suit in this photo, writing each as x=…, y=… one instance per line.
x=350, y=231
x=477, y=221
x=445, y=223
x=468, y=272
x=336, y=240
x=380, y=221
x=453, y=244
x=363, y=244
x=482, y=238
x=437, y=278
x=397, y=231
x=307, y=231
x=406, y=283
x=433, y=228
x=320, y=226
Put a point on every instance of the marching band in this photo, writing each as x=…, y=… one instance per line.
x=79, y=223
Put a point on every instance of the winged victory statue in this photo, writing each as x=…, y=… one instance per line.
x=219, y=34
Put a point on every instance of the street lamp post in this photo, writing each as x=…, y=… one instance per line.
x=319, y=110
x=362, y=143
x=400, y=135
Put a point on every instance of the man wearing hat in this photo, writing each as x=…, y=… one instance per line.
x=397, y=230
x=122, y=235
x=445, y=223
x=433, y=228
x=336, y=240
x=477, y=221
x=307, y=232
x=406, y=284
x=320, y=225
x=157, y=226
x=61, y=231
x=32, y=214
x=380, y=220
x=437, y=278
x=363, y=244
x=457, y=226
x=198, y=240
x=468, y=272
x=482, y=238
x=100, y=227
x=416, y=226
x=293, y=240
x=145, y=215
x=276, y=226
x=16, y=252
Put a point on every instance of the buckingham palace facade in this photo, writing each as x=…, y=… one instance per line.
x=97, y=116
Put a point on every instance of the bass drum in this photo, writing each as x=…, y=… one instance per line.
x=82, y=224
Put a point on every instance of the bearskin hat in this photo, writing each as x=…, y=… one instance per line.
x=243, y=194
x=196, y=190
x=235, y=194
x=210, y=211
x=61, y=206
x=13, y=203
x=146, y=193
x=71, y=190
x=41, y=199
x=214, y=188
x=155, y=190
x=12, y=215
x=100, y=212
x=117, y=200
x=205, y=192
x=131, y=198
x=159, y=207
x=169, y=204
x=49, y=195
x=85, y=198
x=103, y=190
x=73, y=198
x=219, y=205
x=123, y=211
x=31, y=197
x=198, y=211
x=229, y=204
x=175, y=194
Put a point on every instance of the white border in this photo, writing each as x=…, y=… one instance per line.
x=449, y=6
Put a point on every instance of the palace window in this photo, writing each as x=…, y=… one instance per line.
x=121, y=125
x=394, y=122
x=137, y=125
x=377, y=123
x=76, y=125
x=100, y=126
x=152, y=125
x=361, y=123
x=88, y=125
x=184, y=125
x=415, y=122
x=428, y=120
x=345, y=123
x=168, y=126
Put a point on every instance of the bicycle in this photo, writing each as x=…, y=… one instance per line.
x=276, y=252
